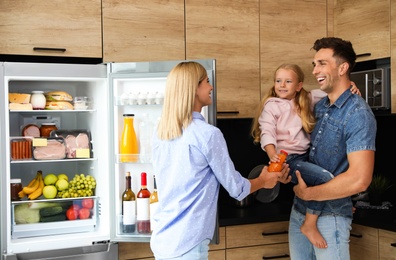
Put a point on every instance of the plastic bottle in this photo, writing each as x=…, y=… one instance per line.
x=129, y=147
x=153, y=204
x=38, y=100
x=128, y=207
x=277, y=166
x=145, y=134
x=143, y=207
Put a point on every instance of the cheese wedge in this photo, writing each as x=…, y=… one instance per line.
x=19, y=98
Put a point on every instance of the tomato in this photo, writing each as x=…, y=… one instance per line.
x=75, y=207
x=71, y=213
x=84, y=213
x=87, y=203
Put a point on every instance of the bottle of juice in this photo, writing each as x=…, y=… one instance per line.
x=277, y=166
x=129, y=146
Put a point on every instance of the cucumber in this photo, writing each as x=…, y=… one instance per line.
x=53, y=218
x=46, y=212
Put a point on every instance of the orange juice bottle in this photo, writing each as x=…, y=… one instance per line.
x=129, y=147
x=277, y=166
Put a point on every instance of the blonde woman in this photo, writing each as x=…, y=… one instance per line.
x=190, y=161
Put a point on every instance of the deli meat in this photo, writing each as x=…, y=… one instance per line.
x=81, y=141
x=31, y=130
x=54, y=150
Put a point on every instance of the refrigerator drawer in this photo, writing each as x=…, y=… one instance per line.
x=51, y=217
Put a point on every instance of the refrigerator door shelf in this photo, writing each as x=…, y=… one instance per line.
x=56, y=227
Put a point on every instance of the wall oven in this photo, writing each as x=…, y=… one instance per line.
x=374, y=84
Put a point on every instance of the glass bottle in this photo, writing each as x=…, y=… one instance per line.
x=129, y=147
x=153, y=204
x=143, y=207
x=277, y=166
x=38, y=100
x=128, y=207
x=146, y=129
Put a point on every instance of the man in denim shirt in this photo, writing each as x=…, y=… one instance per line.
x=343, y=142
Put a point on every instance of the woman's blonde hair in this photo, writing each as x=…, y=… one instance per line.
x=181, y=87
x=302, y=102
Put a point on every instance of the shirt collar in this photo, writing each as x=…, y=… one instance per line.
x=341, y=99
x=197, y=115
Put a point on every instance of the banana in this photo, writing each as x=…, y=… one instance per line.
x=29, y=189
x=37, y=193
x=22, y=194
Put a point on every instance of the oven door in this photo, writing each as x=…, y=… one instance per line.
x=374, y=86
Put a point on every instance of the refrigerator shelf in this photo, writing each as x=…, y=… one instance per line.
x=52, y=161
x=52, y=111
x=133, y=158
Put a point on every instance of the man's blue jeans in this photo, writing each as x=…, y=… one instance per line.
x=334, y=229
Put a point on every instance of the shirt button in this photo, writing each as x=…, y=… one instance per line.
x=313, y=148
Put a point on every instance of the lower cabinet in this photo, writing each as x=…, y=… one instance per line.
x=363, y=243
x=387, y=245
x=258, y=241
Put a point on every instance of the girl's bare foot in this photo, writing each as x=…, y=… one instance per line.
x=313, y=235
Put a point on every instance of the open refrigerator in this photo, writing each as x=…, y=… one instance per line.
x=113, y=89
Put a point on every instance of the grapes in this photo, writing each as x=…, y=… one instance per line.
x=79, y=186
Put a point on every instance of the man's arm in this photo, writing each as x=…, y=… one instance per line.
x=356, y=179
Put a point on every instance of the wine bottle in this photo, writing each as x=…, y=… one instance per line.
x=143, y=207
x=128, y=207
x=153, y=205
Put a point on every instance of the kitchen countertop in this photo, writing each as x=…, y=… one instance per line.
x=279, y=210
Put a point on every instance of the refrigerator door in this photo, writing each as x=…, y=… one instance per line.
x=94, y=252
x=138, y=88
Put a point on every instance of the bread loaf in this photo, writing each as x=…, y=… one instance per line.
x=19, y=98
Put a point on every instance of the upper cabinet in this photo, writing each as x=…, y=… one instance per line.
x=228, y=31
x=366, y=24
x=143, y=30
x=71, y=28
x=287, y=34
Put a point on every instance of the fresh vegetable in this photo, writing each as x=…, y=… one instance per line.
x=46, y=212
x=87, y=203
x=71, y=213
x=23, y=214
x=84, y=213
x=53, y=218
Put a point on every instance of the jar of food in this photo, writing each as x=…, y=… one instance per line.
x=46, y=128
x=38, y=100
x=15, y=187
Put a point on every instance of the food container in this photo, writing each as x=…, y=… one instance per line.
x=82, y=103
x=52, y=148
x=15, y=188
x=38, y=100
x=78, y=142
x=46, y=128
x=21, y=148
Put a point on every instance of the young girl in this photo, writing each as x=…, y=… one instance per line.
x=283, y=122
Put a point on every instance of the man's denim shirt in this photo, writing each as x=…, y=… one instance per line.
x=346, y=126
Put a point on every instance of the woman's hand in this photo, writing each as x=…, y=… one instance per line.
x=354, y=89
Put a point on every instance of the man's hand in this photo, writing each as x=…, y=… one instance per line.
x=301, y=188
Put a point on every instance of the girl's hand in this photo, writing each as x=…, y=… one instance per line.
x=354, y=89
x=274, y=158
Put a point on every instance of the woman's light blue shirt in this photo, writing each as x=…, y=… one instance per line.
x=189, y=171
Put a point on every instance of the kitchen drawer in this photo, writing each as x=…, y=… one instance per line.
x=217, y=255
x=276, y=251
x=127, y=251
x=387, y=245
x=363, y=243
x=257, y=234
x=222, y=238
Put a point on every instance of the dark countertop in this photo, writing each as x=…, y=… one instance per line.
x=279, y=210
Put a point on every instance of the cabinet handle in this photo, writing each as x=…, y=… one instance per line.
x=393, y=244
x=49, y=49
x=274, y=233
x=227, y=112
x=363, y=55
x=356, y=235
x=276, y=256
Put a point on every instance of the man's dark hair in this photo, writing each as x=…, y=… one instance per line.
x=343, y=50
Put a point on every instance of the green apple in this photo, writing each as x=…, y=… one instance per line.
x=50, y=191
x=50, y=179
x=62, y=184
x=63, y=176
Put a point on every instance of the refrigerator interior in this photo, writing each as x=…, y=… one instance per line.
x=77, y=80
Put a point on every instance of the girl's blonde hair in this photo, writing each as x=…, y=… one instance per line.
x=302, y=103
x=181, y=86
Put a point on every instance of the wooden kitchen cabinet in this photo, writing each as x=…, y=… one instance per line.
x=393, y=57
x=228, y=31
x=256, y=241
x=287, y=34
x=387, y=245
x=71, y=28
x=366, y=24
x=143, y=30
x=363, y=243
